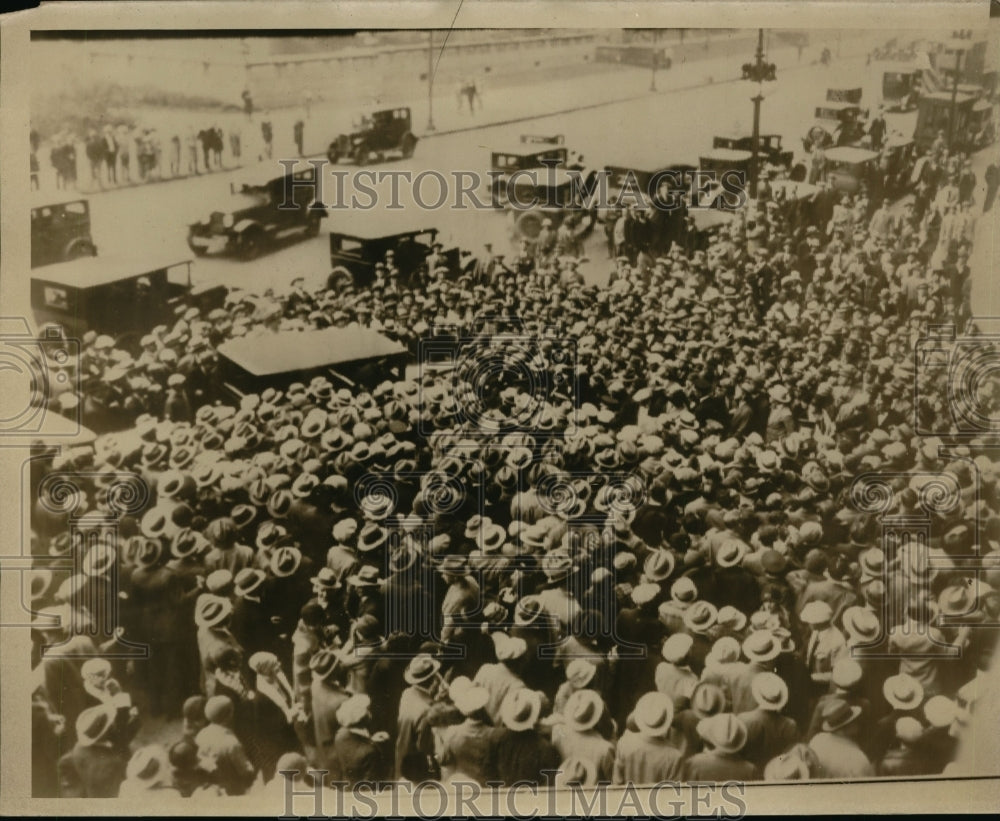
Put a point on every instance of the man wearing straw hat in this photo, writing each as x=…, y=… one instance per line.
x=769, y=733
x=414, y=741
x=94, y=768
x=724, y=736
x=577, y=735
x=836, y=747
x=521, y=751
x=645, y=756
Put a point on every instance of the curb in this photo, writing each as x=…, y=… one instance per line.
x=427, y=135
x=589, y=106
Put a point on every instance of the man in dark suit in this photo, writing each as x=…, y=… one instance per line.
x=94, y=768
x=327, y=696
x=362, y=755
x=769, y=733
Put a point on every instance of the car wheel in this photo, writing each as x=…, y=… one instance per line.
x=529, y=225
x=198, y=250
x=333, y=153
x=408, y=144
x=250, y=245
x=81, y=249
x=360, y=155
x=339, y=278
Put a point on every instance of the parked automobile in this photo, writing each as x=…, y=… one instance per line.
x=768, y=146
x=549, y=195
x=531, y=152
x=836, y=123
x=896, y=163
x=848, y=167
x=268, y=205
x=389, y=131
x=123, y=298
x=359, y=241
x=346, y=356
x=935, y=111
x=60, y=229
x=900, y=89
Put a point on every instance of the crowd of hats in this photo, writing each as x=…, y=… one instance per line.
x=688, y=468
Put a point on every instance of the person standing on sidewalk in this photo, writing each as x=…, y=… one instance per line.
x=218, y=143
x=175, y=155
x=267, y=134
x=248, y=104
x=191, y=142
x=156, y=148
x=124, y=140
x=235, y=147
x=298, y=133
x=94, y=146
x=111, y=155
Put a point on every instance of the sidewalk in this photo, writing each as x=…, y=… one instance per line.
x=580, y=88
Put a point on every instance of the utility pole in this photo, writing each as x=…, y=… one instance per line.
x=655, y=60
x=430, y=79
x=758, y=71
x=954, y=98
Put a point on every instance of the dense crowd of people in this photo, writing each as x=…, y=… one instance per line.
x=655, y=570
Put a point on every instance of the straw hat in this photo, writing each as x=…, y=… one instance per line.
x=653, y=714
x=903, y=692
x=723, y=731
x=769, y=691
x=421, y=668
x=521, y=709
x=583, y=710
x=838, y=714
x=676, y=647
x=761, y=646
x=212, y=610
x=659, y=565
x=94, y=724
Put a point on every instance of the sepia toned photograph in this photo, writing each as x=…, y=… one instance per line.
x=596, y=418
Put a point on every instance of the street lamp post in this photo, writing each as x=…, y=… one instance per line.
x=954, y=98
x=655, y=60
x=758, y=71
x=430, y=79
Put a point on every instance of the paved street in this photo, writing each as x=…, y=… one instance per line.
x=662, y=127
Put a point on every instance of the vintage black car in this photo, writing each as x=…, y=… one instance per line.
x=848, y=167
x=346, y=356
x=60, y=229
x=961, y=118
x=123, y=298
x=267, y=206
x=550, y=196
x=531, y=152
x=358, y=241
x=383, y=132
x=836, y=124
x=768, y=147
x=900, y=89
